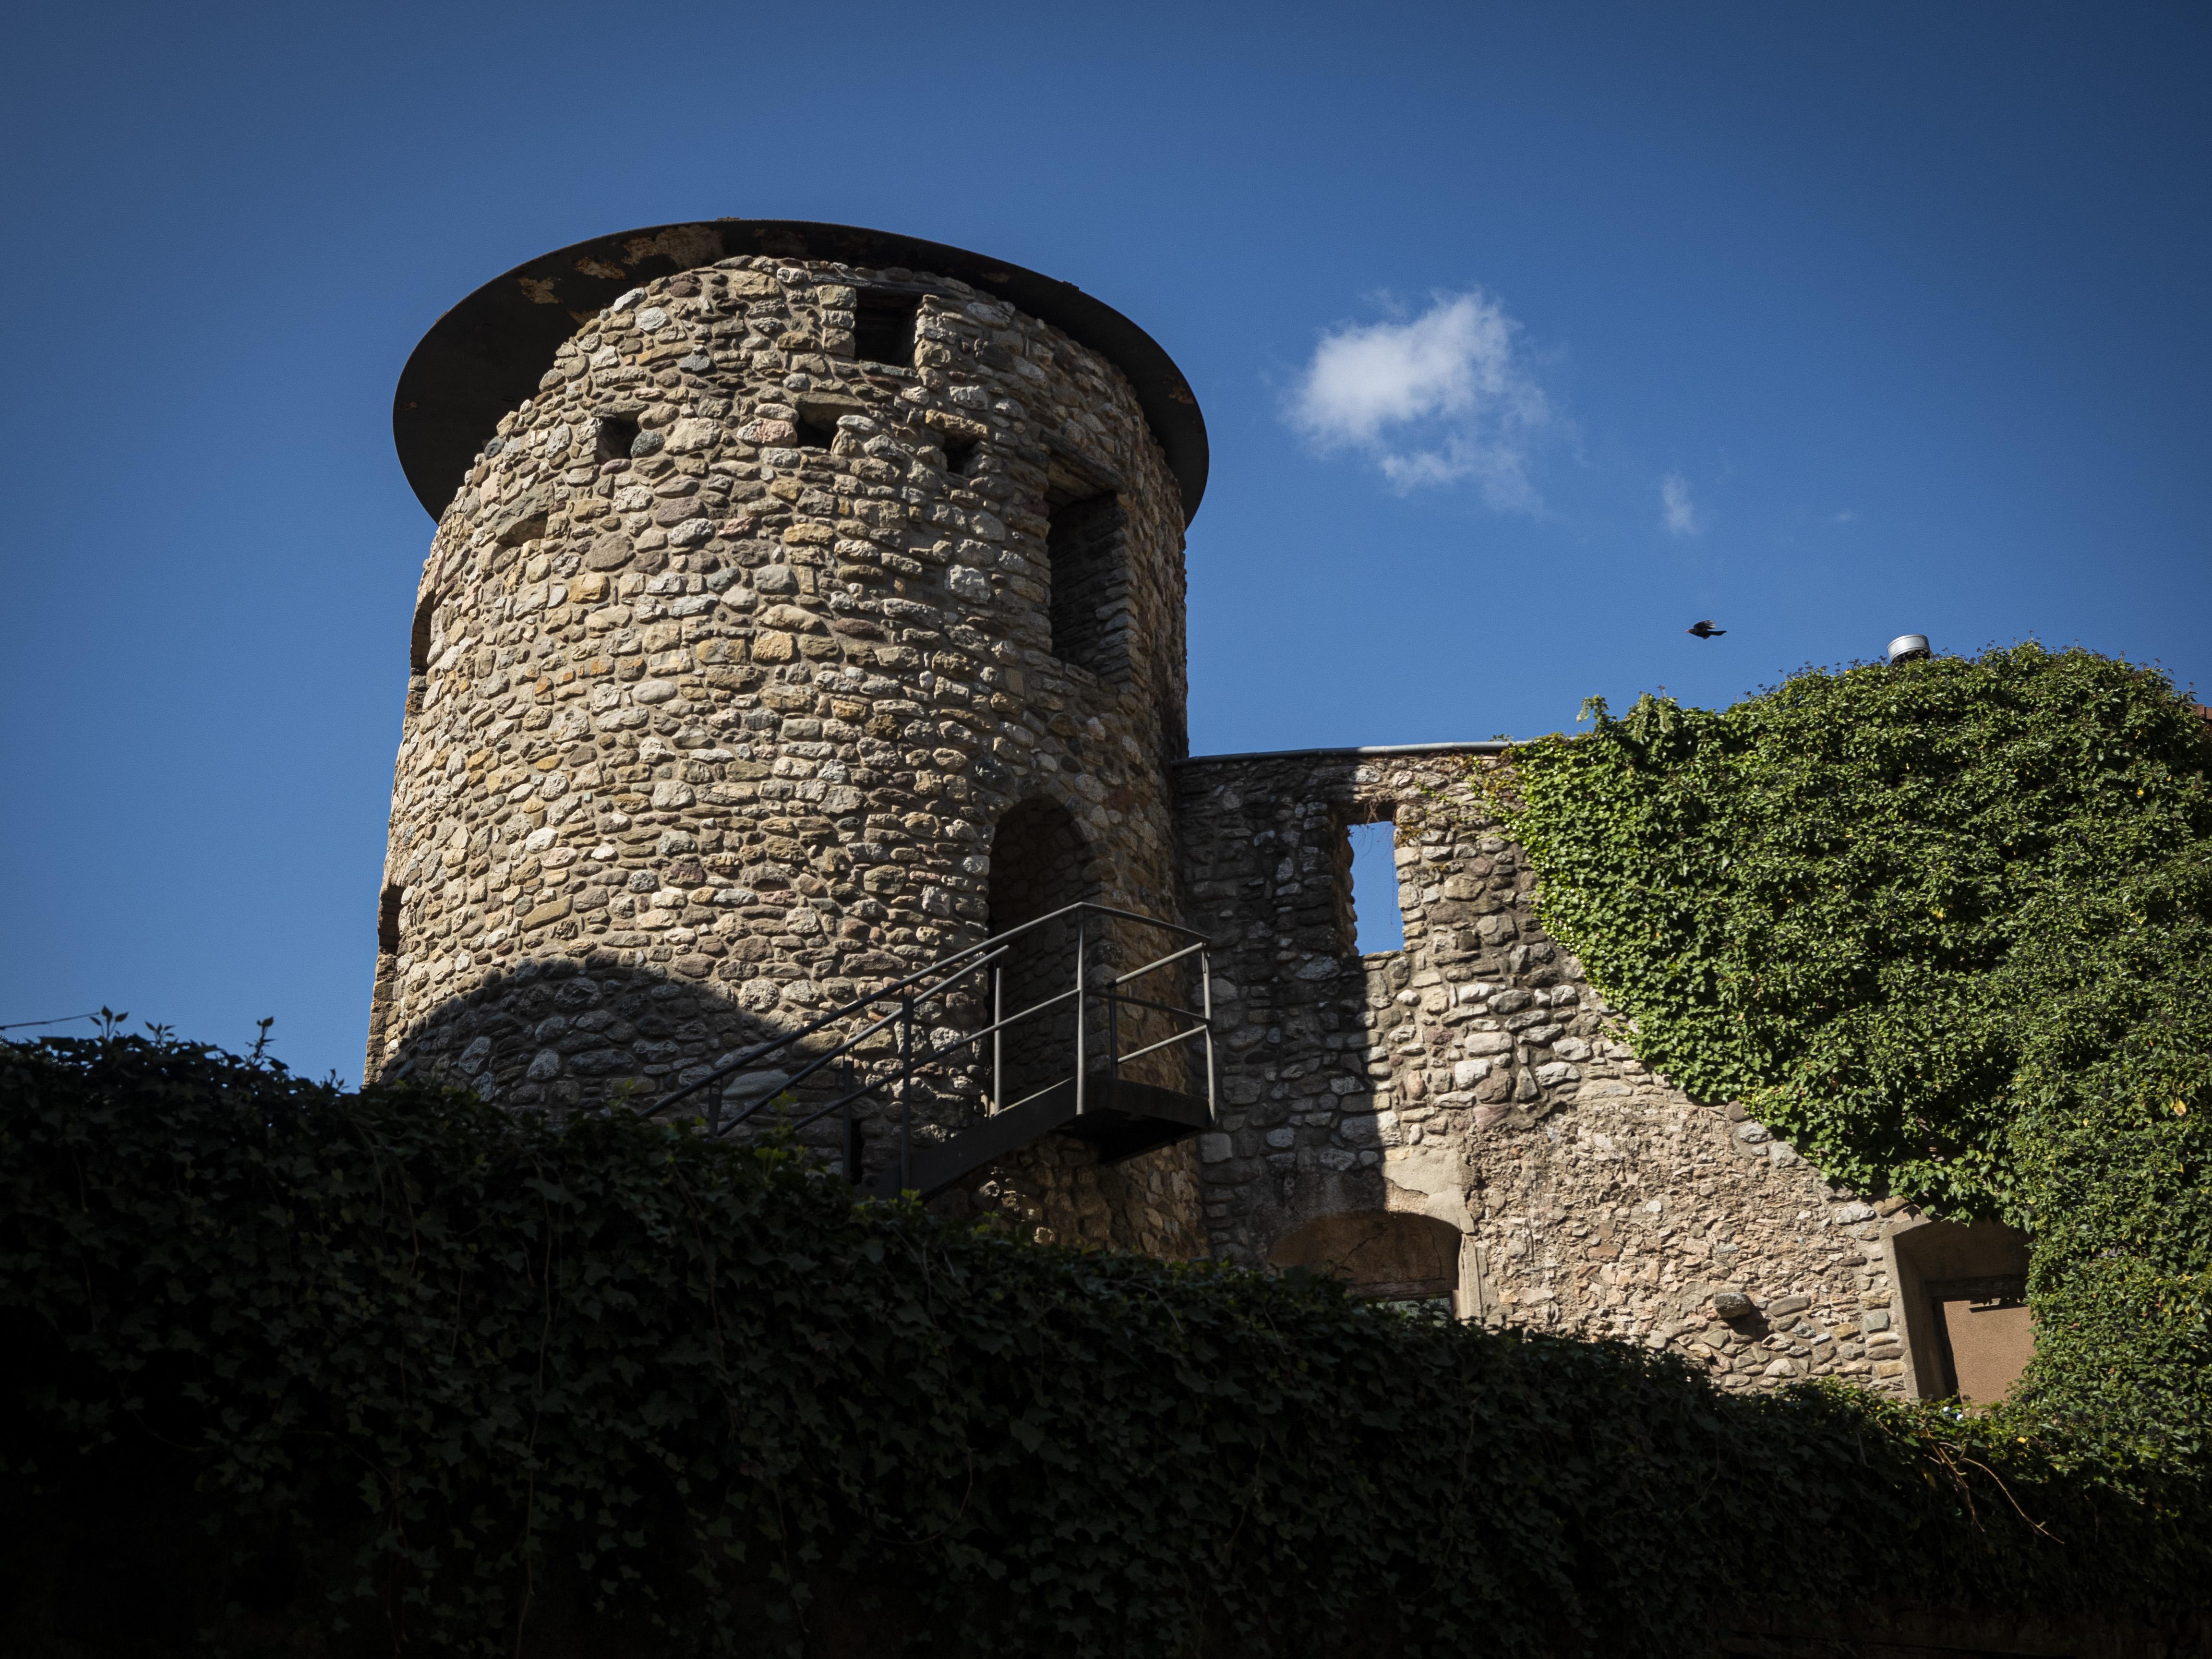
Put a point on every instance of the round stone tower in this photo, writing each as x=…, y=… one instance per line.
x=806, y=603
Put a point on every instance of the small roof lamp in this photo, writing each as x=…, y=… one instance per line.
x=1909, y=648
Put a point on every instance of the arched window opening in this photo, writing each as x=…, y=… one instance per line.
x=1039, y=864
x=1382, y=1255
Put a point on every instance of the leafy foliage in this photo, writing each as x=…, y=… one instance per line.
x=1945, y=926
x=397, y=1368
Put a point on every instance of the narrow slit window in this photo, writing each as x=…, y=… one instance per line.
x=883, y=329
x=1377, y=922
x=381, y=989
x=426, y=626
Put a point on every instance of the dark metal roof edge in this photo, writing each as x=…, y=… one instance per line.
x=486, y=354
x=1487, y=746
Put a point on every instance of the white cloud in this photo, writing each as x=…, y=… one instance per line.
x=1434, y=399
x=1676, y=510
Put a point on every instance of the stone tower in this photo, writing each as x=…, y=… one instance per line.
x=805, y=602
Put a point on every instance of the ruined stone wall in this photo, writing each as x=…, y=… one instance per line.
x=732, y=650
x=1476, y=1078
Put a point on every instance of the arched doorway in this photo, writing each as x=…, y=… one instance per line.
x=1382, y=1255
x=1039, y=864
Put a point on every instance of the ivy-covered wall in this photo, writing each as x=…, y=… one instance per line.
x=296, y=1371
x=1475, y=1079
x=1944, y=925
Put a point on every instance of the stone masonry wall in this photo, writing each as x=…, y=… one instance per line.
x=1476, y=1078
x=726, y=674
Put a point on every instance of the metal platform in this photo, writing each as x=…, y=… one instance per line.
x=1121, y=1118
x=880, y=1047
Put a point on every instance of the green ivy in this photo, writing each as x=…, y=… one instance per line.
x=292, y=1370
x=1945, y=926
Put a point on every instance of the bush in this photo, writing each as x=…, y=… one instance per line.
x=297, y=1367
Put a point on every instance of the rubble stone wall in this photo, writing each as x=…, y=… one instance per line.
x=732, y=652
x=1476, y=1078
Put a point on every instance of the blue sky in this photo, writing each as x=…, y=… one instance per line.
x=1525, y=336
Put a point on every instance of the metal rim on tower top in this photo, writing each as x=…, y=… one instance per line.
x=486, y=355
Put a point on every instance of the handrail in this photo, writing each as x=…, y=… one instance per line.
x=763, y=1050
x=1162, y=962
x=933, y=983
x=967, y=1040
x=1164, y=1042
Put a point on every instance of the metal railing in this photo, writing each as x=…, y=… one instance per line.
x=902, y=997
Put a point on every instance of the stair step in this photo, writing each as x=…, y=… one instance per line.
x=1122, y=1118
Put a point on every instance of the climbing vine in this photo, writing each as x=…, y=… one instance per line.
x=1947, y=926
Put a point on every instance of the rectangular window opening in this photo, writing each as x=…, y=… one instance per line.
x=1984, y=1335
x=1086, y=548
x=882, y=328
x=1961, y=1298
x=815, y=432
x=1377, y=923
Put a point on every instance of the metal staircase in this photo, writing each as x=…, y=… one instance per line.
x=902, y=1045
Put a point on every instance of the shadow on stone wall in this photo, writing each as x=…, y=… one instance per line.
x=585, y=1034
x=565, y=1034
x=1385, y=1255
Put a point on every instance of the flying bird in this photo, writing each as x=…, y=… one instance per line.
x=1705, y=630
